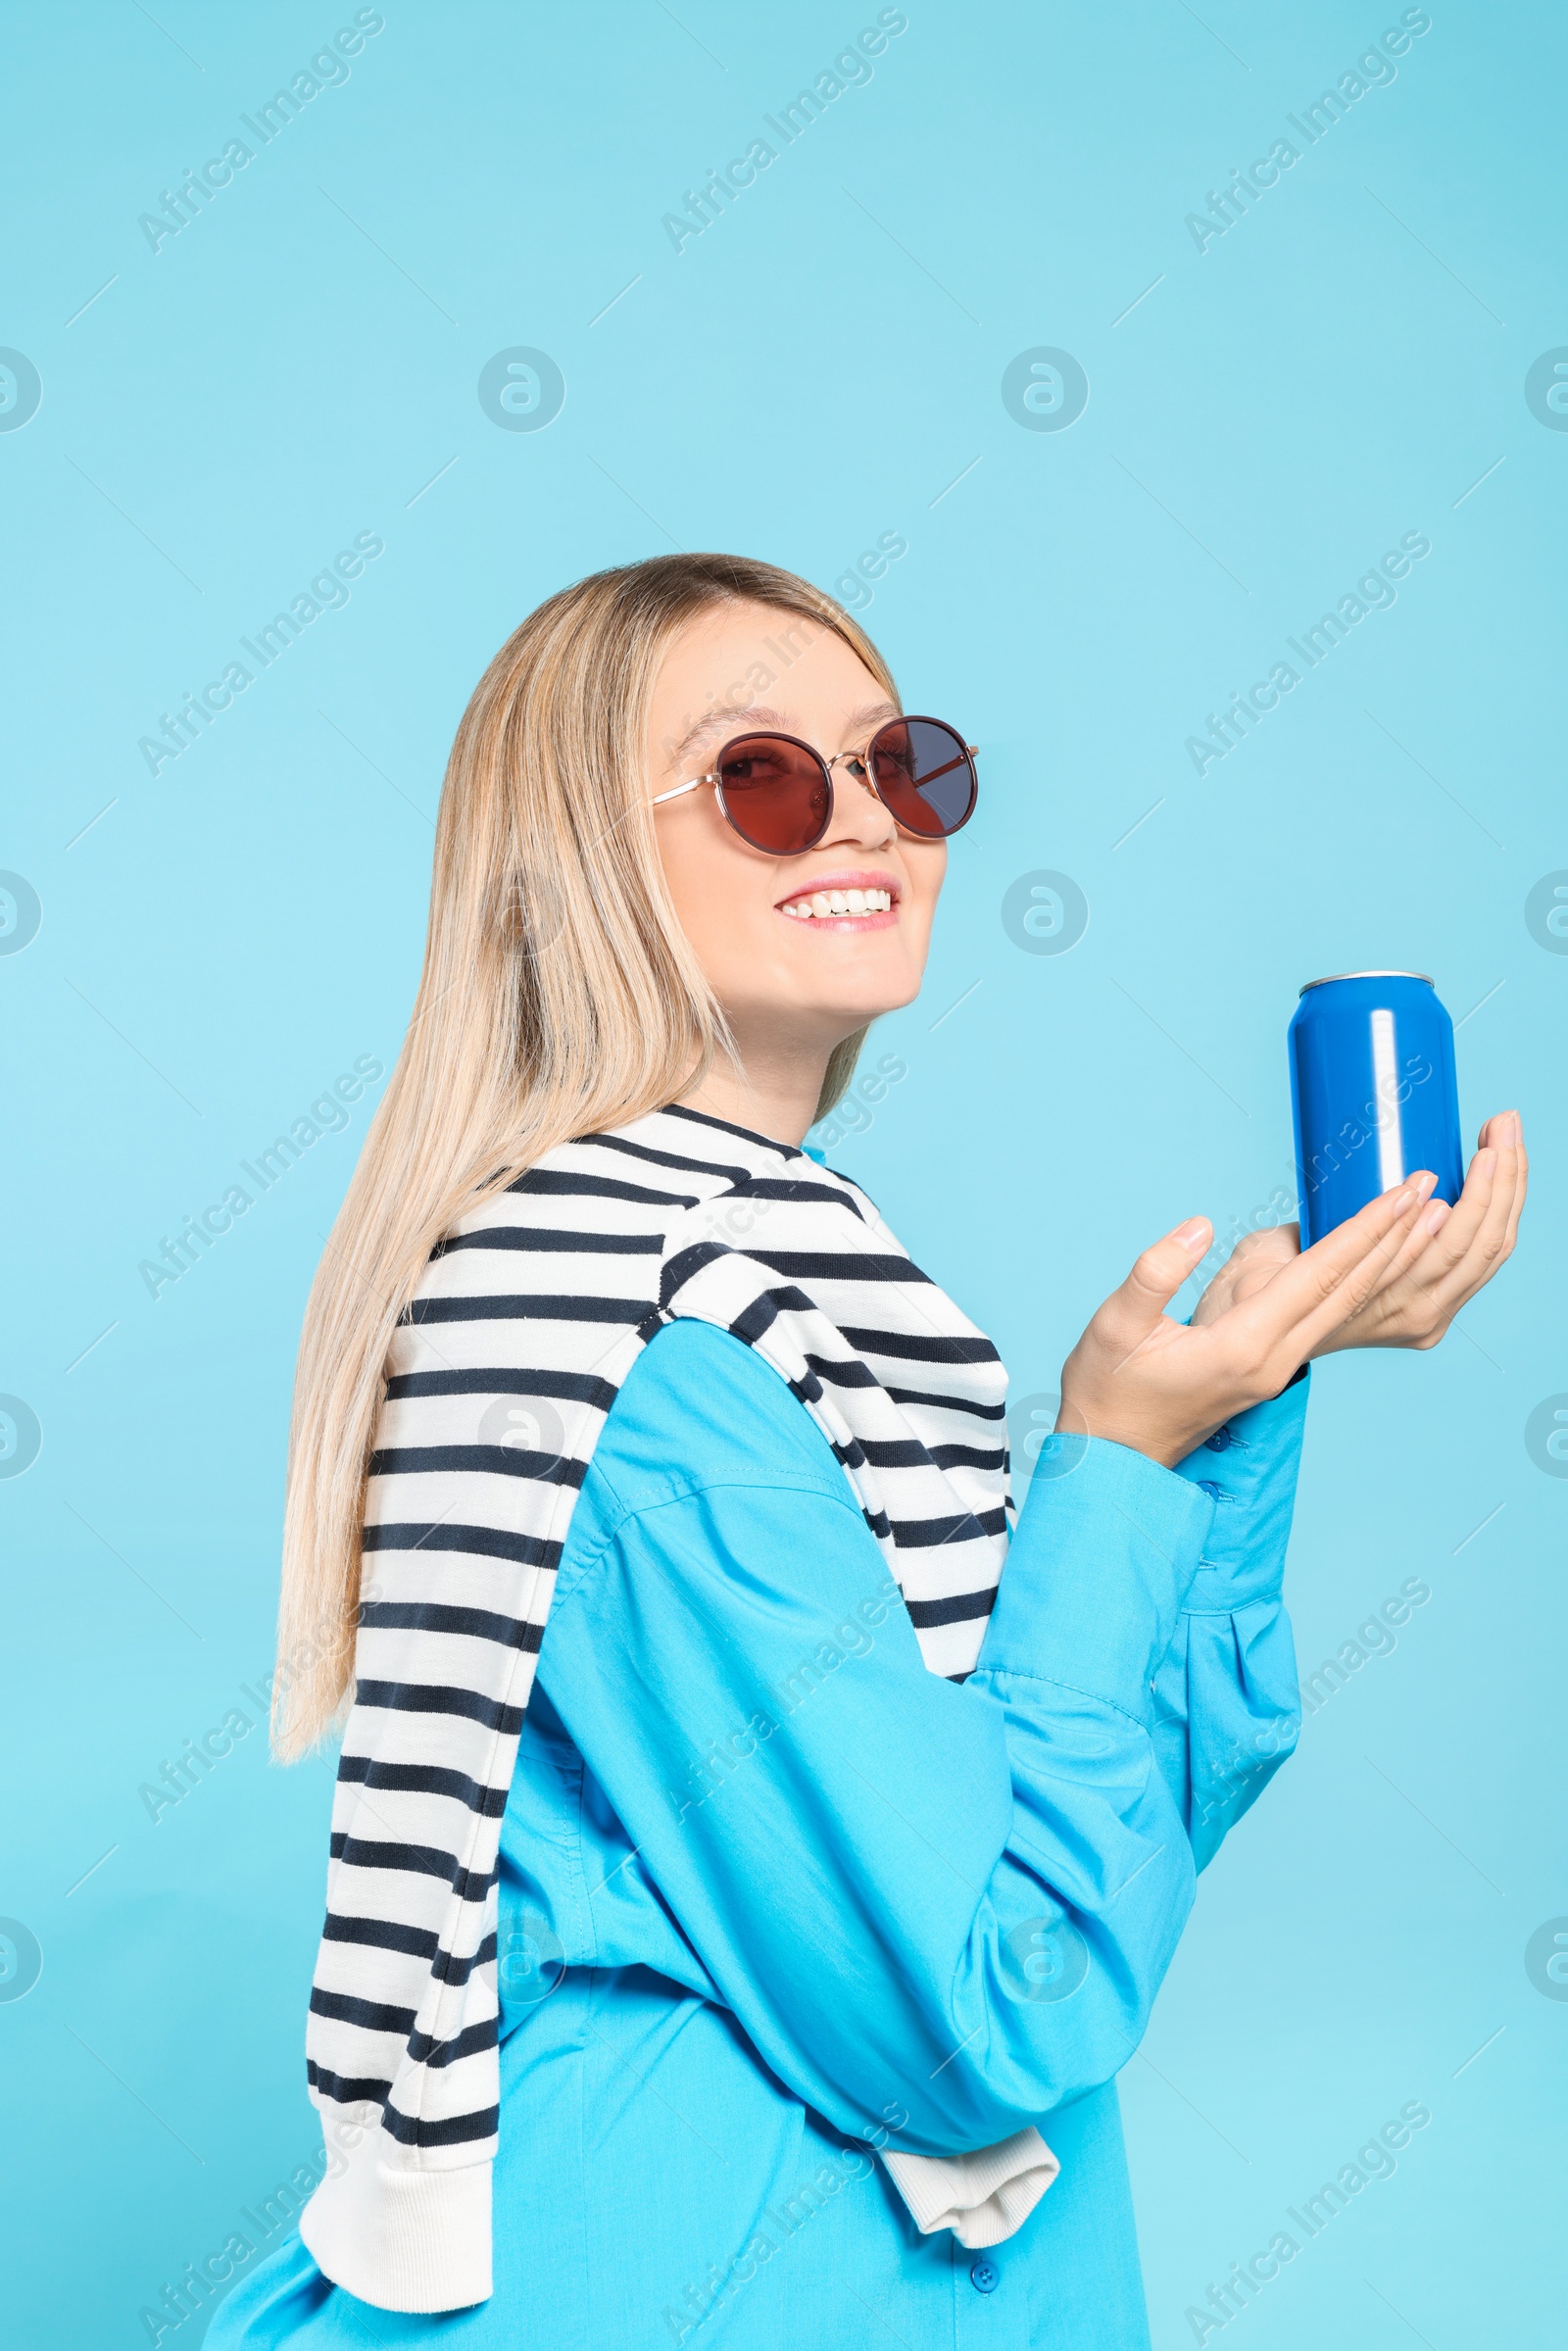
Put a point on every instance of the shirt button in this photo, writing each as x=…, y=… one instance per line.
x=1219, y=1442
x=985, y=2276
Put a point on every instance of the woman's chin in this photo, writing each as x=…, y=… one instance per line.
x=863, y=987
x=890, y=993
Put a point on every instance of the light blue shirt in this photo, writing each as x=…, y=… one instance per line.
x=774, y=1896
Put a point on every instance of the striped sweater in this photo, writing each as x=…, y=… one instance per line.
x=499, y=1377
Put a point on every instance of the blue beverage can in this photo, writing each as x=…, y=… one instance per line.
x=1373, y=1091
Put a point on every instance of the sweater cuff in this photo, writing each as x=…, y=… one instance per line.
x=401, y=2239
x=1098, y=1571
x=984, y=2197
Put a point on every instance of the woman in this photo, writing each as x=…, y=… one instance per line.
x=767, y=1971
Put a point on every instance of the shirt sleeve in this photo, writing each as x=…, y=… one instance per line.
x=1227, y=1709
x=937, y=1910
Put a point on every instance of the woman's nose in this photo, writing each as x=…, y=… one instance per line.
x=858, y=815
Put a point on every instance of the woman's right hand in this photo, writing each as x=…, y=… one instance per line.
x=1158, y=1387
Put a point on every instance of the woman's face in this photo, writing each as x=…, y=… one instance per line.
x=786, y=983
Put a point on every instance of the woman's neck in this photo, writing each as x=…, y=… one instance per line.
x=774, y=1095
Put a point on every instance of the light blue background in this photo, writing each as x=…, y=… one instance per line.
x=813, y=371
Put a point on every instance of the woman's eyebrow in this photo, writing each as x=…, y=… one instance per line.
x=870, y=714
x=747, y=719
x=727, y=722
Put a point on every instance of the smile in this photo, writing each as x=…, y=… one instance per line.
x=826, y=906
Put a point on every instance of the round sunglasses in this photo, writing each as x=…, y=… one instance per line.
x=777, y=793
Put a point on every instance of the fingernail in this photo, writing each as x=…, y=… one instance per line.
x=1405, y=1197
x=1437, y=1216
x=1425, y=1183
x=1192, y=1232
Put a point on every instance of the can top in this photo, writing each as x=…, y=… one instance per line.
x=1369, y=975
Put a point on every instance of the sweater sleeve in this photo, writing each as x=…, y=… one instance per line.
x=936, y=1909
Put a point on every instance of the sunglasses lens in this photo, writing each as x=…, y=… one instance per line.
x=775, y=793
x=925, y=774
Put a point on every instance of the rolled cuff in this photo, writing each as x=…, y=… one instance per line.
x=402, y=2240
x=983, y=2197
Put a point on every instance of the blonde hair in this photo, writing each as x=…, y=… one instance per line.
x=558, y=997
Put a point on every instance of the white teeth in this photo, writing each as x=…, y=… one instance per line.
x=823, y=903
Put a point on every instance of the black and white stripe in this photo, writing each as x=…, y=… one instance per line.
x=500, y=1378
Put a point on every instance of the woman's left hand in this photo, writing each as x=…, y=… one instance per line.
x=1444, y=1261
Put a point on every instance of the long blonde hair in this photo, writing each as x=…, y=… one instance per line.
x=558, y=997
